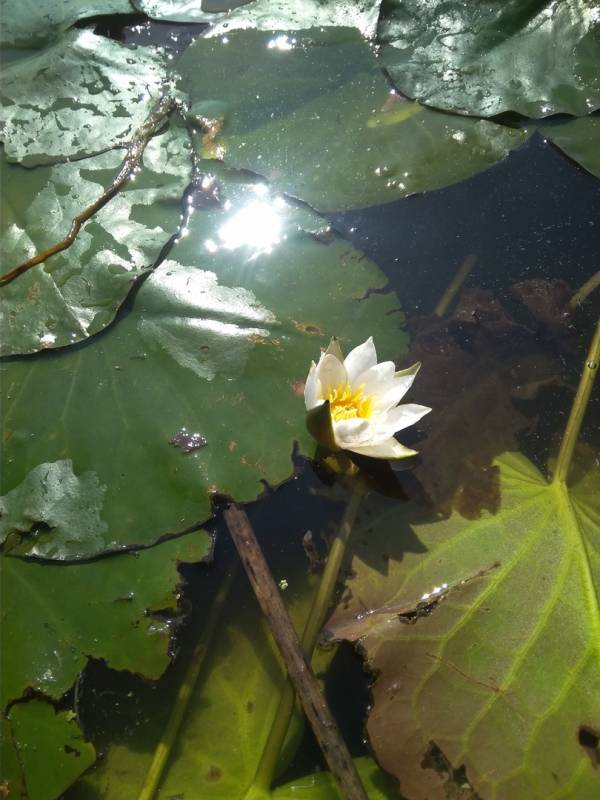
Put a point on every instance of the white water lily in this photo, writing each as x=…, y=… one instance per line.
x=352, y=402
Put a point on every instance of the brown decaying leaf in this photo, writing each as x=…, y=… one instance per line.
x=546, y=300
x=475, y=364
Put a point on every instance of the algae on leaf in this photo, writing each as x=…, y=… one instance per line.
x=329, y=131
x=79, y=97
x=536, y=57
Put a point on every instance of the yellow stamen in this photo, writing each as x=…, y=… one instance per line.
x=348, y=403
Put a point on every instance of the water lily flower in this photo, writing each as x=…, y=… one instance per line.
x=352, y=402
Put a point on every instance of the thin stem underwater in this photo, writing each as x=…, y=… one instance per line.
x=578, y=409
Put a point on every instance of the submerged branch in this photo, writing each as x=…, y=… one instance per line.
x=569, y=440
x=582, y=293
x=131, y=162
x=305, y=683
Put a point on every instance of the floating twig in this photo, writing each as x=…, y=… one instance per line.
x=305, y=683
x=131, y=162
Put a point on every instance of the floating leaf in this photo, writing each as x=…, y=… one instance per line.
x=29, y=23
x=579, y=139
x=535, y=57
x=187, y=10
x=49, y=751
x=76, y=293
x=53, y=496
x=321, y=786
x=79, y=97
x=328, y=130
x=218, y=341
x=500, y=668
x=101, y=609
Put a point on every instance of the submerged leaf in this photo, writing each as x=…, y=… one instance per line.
x=534, y=57
x=329, y=131
x=100, y=609
x=79, y=97
x=68, y=505
x=500, y=667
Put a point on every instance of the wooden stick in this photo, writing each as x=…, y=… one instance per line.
x=307, y=687
x=455, y=284
x=132, y=160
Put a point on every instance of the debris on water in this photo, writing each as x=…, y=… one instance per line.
x=187, y=441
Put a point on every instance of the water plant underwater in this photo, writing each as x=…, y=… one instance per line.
x=133, y=288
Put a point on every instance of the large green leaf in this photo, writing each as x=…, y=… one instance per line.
x=81, y=96
x=537, y=57
x=56, y=617
x=218, y=341
x=501, y=668
x=76, y=293
x=579, y=139
x=328, y=130
x=27, y=23
x=48, y=751
x=187, y=10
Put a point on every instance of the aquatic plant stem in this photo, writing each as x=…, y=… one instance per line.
x=305, y=683
x=267, y=766
x=454, y=285
x=581, y=294
x=131, y=163
x=186, y=689
x=569, y=440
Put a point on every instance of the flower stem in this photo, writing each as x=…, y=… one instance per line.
x=186, y=689
x=305, y=683
x=454, y=285
x=582, y=293
x=266, y=770
x=578, y=409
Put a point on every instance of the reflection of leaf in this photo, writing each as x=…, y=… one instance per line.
x=69, y=505
x=79, y=97
x=537, y=58
x=50, y=750
x=220, y=356
x=328, y=130
x=473, y=365
x=93, y=610
x=76, y=293
x=503, y=672
x=579, y=139
x=33, y=22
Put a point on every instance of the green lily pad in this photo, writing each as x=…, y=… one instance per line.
x=329, y=131
x=76, y=293
x=30, y=23
x=501, y=666
x=535, y=57
x=56, y=617
x=321, y=786
x=53, y=496
x=579, y=139
x=187, y=10
x=49, y=751
x=218, y=341
x=81, y=96
x=275, y=15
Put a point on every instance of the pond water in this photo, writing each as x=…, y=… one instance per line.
x=466, y=612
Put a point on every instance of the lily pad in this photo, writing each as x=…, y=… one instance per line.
x=30, y=23
x=187, y=10
x=579, y=139
x=101, y=609
x=76, y=293
x=536, y=58
x=218, y=341
x=49, y=751
x=500, y=666
x=53, y=497
x=329, y=131
x=81, y=96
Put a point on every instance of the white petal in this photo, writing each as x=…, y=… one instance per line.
x=360, y=359
x=377, y=379
x=351, y=431
x=400, y=417
x=398, y=387
x=312, y=388
x=390, y=448
x=330, y=372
